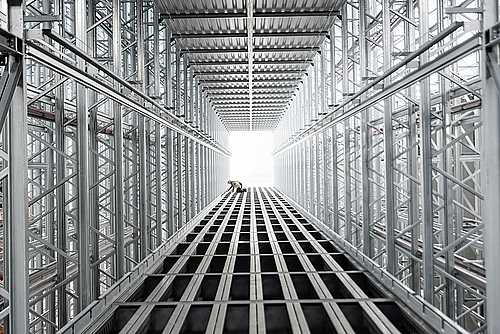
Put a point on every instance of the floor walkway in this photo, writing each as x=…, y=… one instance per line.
x=255, y=265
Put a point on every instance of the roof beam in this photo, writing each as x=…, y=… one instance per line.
x=187, y=16
x=220, y=96
x=285, y=80
x=245, y=112
x=255, y=62
x=246, y=109
x=231, y=112
x=210, y=36
x=255, y=50
x=250, y=25
x=255, y=35
x=243, y=14
x=241, y=101
x=242, y=91
x=215, y=102
x=246, y=87
x=240, y=106
x=292, y=34
x=246, y=103
x=246, y=72
x=323, y=13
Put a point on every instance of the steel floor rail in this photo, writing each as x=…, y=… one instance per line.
x=254, y=264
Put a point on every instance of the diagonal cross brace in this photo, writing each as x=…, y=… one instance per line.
x=8, y=84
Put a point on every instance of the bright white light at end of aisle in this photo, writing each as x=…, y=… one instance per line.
x=252, y=163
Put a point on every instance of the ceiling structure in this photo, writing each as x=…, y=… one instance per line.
x=250, y=75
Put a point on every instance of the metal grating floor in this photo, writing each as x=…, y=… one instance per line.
x=255, y=265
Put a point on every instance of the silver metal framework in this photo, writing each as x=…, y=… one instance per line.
x=249, y=56
x=107, y=152
x=114, y=120
x=386, y=148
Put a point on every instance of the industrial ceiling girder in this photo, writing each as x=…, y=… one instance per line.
x=258, y=50
x=243, y=14
x=228, y=41
x=255, y=35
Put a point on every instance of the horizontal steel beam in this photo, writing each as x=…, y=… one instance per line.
x=244, y=84
x=225, y=113
x=243, y=90
x=261, y=99
x=243, y=14
x=255, y=50
x=237, y=118
x=270, y=72
x=248, y=109
x=257, y=81
x=222, y=105
x=283, y=62
x=244, y=106
x=236, y=95
x=445, y=59
x=204, y=35
x=45, y=57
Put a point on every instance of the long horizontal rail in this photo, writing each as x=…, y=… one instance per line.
x=425, y=70
x=57, y=64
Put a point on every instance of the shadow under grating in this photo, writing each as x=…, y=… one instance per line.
x=254, y=264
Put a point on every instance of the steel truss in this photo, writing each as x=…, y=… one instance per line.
x=384, y=143
x=84, y=207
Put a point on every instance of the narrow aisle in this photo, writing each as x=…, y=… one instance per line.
x=255, y=265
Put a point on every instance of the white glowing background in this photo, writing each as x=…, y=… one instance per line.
x=251, y=163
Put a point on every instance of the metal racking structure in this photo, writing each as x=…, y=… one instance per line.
x=386, y=147
x=95, y=204
x=386, y=127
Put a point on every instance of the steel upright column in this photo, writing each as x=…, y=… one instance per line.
x=196, y=123
x=333, y=92
x=83, y=164
x=169, y=145
x=206, y=166
x=17, y=187
x=143, y=164
x=413, y=205
x=187, y=162
x=156, y=51
x=491, y=173
x=205, y=152
x=347, y=128
x=168, y=64
x=198, y=177
x=158, y=132
x=317, y=85
x=93, y=171
x=192, y=145
x=347, y=182
x=94, y=203
x=159, y=210
x=311, y=141
x=426, y=161
x=324, y=108
x=143, y=192
x=365, y=138
x=62, y=301
x=118, y=141
x=390, y=207
x=180, y=190
x=300, y=149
